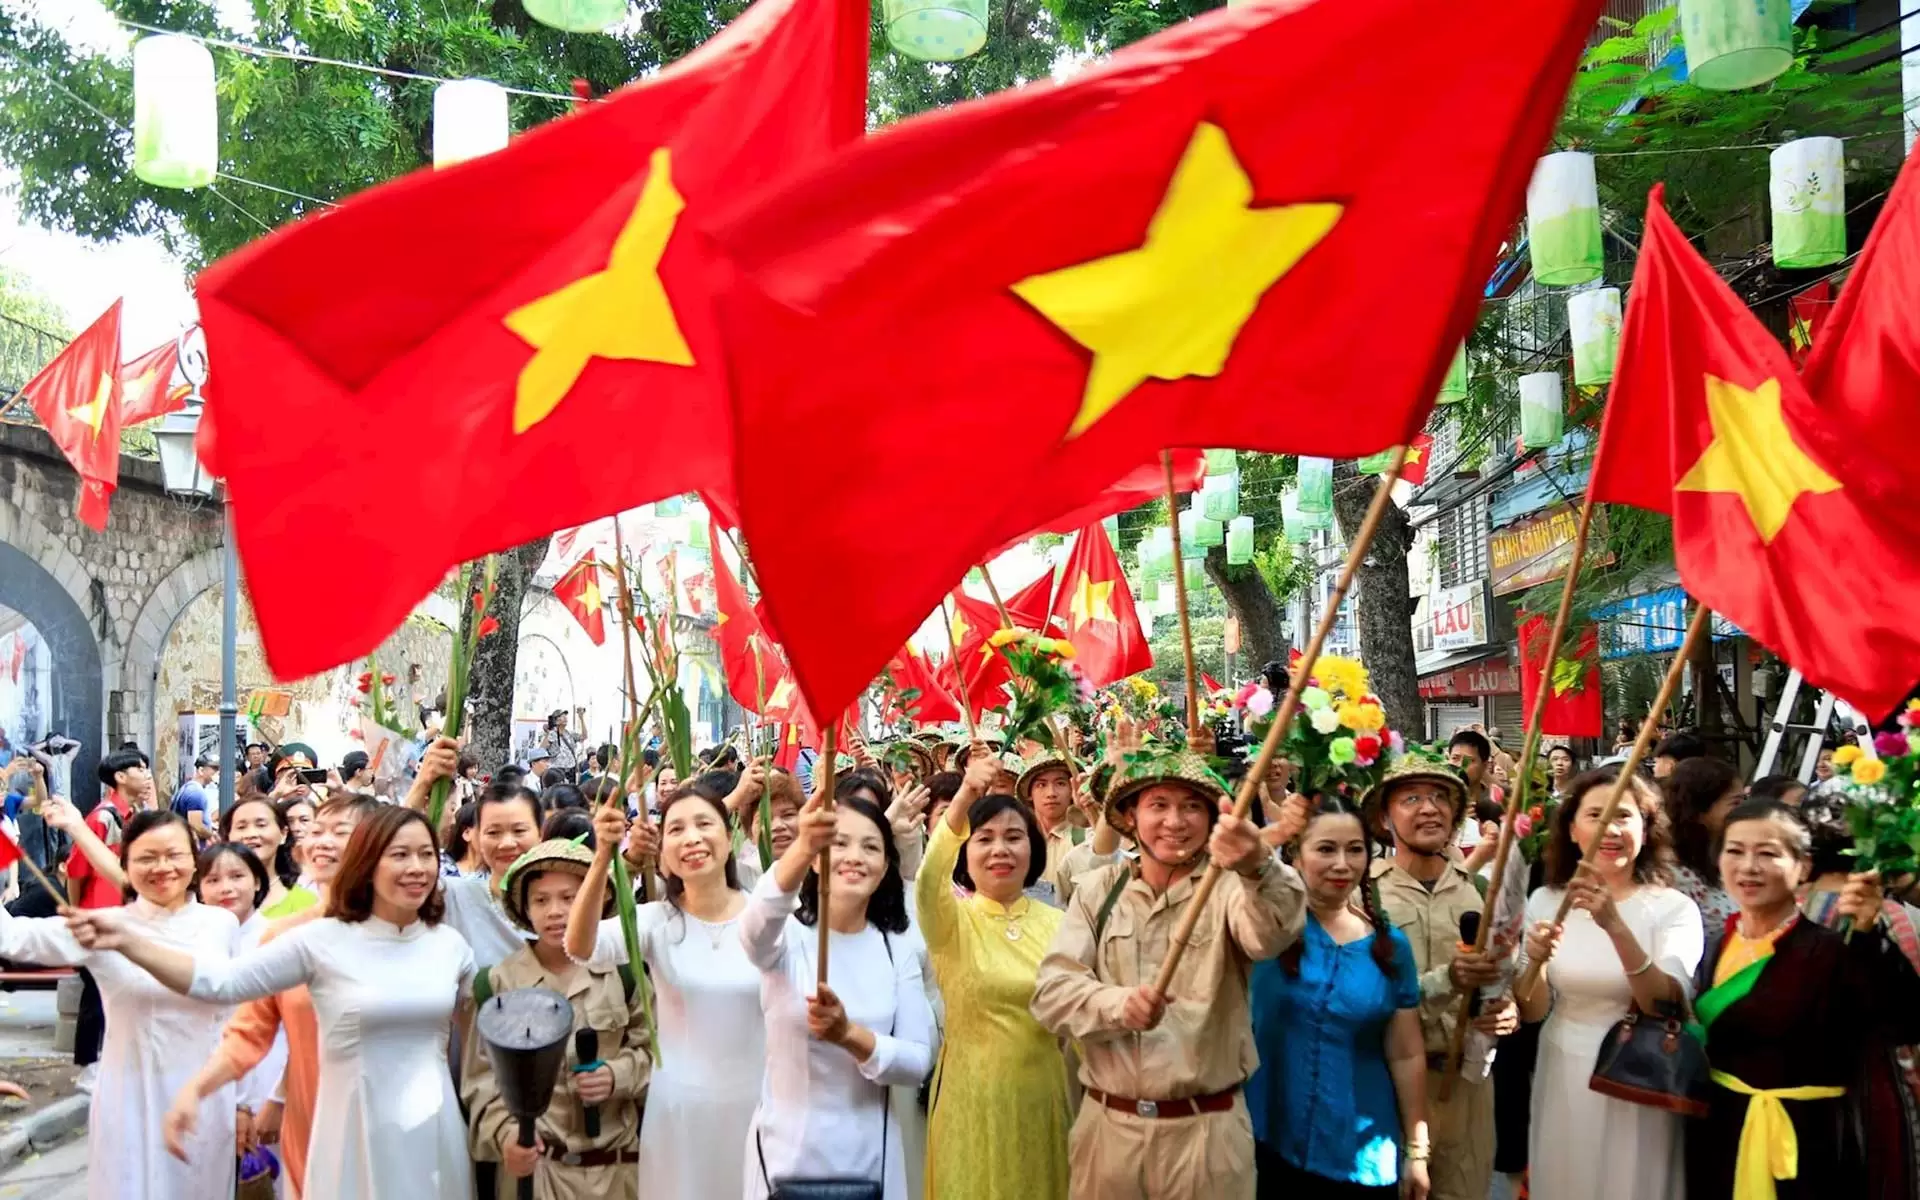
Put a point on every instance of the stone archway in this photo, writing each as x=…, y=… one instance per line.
x=140, y=672
x=43, y=581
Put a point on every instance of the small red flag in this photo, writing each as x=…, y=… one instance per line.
x=1807, y=313
x=910, y=671
x=1029, y=607
x=1212, y=684
x=1095, y=605
x=1178, y=246
x=1708, y=422
x=1573, y=707
x=147, y=389
x=578, y=591
x=77, y=398
x=754, y=665
x=1419, y=451
x=541, y=316
x=987, y=671
x=10, y=852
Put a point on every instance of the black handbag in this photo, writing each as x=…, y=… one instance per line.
x=1654, y=1061
x=837, y=1187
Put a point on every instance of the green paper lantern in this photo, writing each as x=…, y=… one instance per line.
x=1111, y=523
x=1809, y=192
x=1157, y=554
x=1316, y=485
x=1563, y=220
x=1240, y=541
x=1196, y=577
x=936, y=30
x=1190, y=544
x=1222, y=462
x=176, y=113
x=697, y=538
x=577, y=16
x=1374, y=464
x=1735, y=44
x=1297, y=526
x=1453, y=389
x=672, y=506
x=1220, y=497
x=1209, y=532
x=1593, y=321
x=1542, y=410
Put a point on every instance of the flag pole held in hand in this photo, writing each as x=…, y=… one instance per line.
x=1180, y=600
x=1283, y=713
x=1642, y=746
x=825, y=868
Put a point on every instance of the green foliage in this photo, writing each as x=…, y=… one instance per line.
x=1044, y=685
x=32, y=330
x=1023, y=44
x=1169, y=671
x=1882, y=799
x=1099, y=26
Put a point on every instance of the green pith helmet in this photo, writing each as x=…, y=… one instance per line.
x=906, y=755
x=1031, y=771
x=555, y=854
x=1416, y=763
x=1143, y=769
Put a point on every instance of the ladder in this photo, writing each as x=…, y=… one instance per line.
x=1824, y=711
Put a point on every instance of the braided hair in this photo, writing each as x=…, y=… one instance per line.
x=1332, y=804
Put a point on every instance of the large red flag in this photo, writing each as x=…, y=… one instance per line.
x=1708, y=421
x=77, y=398
x=1184, y=245
x=531, y=329
x=1139, y=486
x=147, y=387
x=1095, y=605
x=1574, y=704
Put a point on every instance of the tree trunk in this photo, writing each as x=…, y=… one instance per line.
x=1385, y=603
x=490, y=683
x=1254, y=605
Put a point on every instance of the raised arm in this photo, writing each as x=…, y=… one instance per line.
x=273, y=967
x=583, y=919
x=935, y=906
x=63, y=816
x=440, y=761
x=44, y=940
x=1266, y=902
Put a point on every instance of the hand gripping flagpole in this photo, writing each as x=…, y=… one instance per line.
x=1641, y=746
x=824, y=870
x=1180, y=603
x=1530, y=746
x=1283, y=714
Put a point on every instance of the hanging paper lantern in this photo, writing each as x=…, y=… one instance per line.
x=1156, y=554
x=672, y=506
x=1809, y=188
x=1593, y=319
x=1292, y=525
x=1196, y=577
x=1222, y=462
x=1111, y=522
x=1207, y=531
x=176, y=113
x=1563, y=220
x=1220, y=496
x=1453, y=389
x=1734, y=44
x=697, y=538
x=578, y=16
x=1191, y=545
x=1240, y=541
x=1542, y=409
x=936, y=30
x=469, y=120
x=1316, y=485
x=1374, y=464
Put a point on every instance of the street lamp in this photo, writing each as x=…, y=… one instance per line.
x=181, y=473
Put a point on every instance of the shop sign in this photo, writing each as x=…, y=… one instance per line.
x=1654, y=623
x=1488, y=677
x=1457, y=616
x=1538, y=549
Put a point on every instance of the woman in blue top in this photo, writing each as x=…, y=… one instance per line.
x=1339, y=1104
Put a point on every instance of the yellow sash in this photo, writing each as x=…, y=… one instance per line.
x=1769, y=1149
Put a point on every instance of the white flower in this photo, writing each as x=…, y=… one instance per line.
x=1260, y=703
x=1325, y=720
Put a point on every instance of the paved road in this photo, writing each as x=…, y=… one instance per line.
x=60, y=1174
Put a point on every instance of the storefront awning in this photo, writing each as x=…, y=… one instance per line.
x=1439, y=662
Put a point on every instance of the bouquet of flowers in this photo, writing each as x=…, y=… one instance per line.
x=1881, y=798
x=1045, y=683
x=1141, y=701
x=1339, y=734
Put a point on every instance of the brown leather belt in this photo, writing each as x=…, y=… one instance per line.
x=1189, y=1106
x=591, y=1158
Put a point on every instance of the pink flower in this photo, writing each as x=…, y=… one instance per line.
x=1397, y=743
x=1522, y=825
x=1260, y=703
x=1890, y=745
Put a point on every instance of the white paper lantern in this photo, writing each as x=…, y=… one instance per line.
x=1453, y=389
x=1220, y=496
x=578, y=16
x=176, y=113
x=469, y=120
x=1542, y=409
x=1593, y=319
x=1563, y=220
x=1809, y=191
x=1240, y=541
x=1316, y=485
x=1223, y=462
x=1734, y=44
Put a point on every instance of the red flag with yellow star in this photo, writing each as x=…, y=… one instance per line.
x=1419, y=451
x=911, y=672
x=77, y=398
x=578, y=591
x=1707, y=421
x=147, y=389
x=1267, y=227
x=531, y=331
x=1095, y=605
x=1029, y=607
x=754, y=665
x=983, y=671
x=1574, y=704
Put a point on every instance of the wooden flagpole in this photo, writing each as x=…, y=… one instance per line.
x=1180, y=604
x=824, y=870
x=1530, y=746
x=1006, y=618
x=959, y=673
x=631, y=749
x=1642, y=746
x=1283, y=714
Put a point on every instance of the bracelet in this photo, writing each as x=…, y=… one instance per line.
x=1642, y=969
x=1414, y=1154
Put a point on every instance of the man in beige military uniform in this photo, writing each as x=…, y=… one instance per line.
x=1046, y=787
x=568, y=1164
x=1163, y=1117
x=1424, y=890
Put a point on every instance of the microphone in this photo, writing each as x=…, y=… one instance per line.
x=586, y=1048
x=1469, y=934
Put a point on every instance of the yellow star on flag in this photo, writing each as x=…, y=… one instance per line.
x=1414, y=454
x=960, y=628
x=1172, y=308
x=590, y=593
x=94, y=411
x=1092, y=602
x=1753, y=455
x=782, y=696
x=620, y=313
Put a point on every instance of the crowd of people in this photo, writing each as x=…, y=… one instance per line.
x=1031, y=987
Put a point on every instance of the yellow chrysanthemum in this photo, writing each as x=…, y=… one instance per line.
x=1002, y=637
x=1845, y=755
x=1362, y=718
x=1143, y=688
x=1064, y=648
x=1867, y=770
x=1341, y=676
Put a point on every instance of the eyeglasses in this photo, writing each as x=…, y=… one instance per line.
x=151, y=862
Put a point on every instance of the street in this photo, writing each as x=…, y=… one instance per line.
x=27, y=1057
x=60, y=1174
